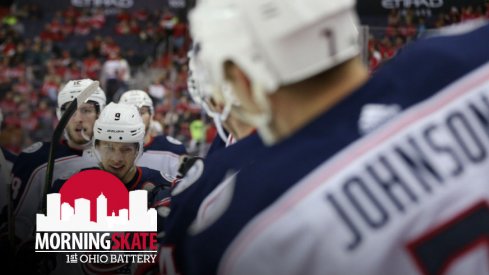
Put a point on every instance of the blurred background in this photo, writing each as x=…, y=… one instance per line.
x=143, y=44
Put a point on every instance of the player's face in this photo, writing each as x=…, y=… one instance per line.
x=80, y=126
x=117, y=158
x=146, y=116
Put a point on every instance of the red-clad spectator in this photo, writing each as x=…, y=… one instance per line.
x=391, y=30
x=123, y=16
x=467, y=14
x=68, y=27
x=168, y=20
x=386, y=49
x=8, y=47
x=134, y=27
x=91, y=67
x=15, y=72
x=211, y=133
x=182, y=105
x=50, y=87
x=73, y=72
x=122, y=28
x=54, y=26
x=164, y=61
x=71, y=12
x=8, y=104
x=60, y=70
x=97, y=21
x=23, y=86
x=179, y=33
x=407, y=30
x=108, y=47
x=82, y=27
x=141, y=15
x=43, y=111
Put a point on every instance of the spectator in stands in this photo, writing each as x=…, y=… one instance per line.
x=157, y=91
x=115, y=75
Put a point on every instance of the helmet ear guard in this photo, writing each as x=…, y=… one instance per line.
x=120, y=123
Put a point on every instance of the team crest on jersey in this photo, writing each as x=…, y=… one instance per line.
x=33, y=148
x=173, y=140
x=215, y=204
x=190, y=177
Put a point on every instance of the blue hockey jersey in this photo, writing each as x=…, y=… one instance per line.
x=29, y=172
x=398, y=163
x=145, y=179
x=163, y=153
x=10, y=160
x=185, y=203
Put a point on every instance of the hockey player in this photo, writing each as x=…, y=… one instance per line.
x=72, y=155
x=161, y=152
x=204, y=176
x=218, y=103
x=7, y=160
x=386, y=175
x=118, y=144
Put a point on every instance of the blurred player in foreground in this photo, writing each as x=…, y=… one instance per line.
x=396, y=164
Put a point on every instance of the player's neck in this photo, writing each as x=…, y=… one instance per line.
x=296, y=108
x=127, y=178
x=238, y=129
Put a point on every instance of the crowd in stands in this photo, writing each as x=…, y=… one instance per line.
x=403, y=26
x=40, y=52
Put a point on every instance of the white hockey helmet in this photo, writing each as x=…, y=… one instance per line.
x=137, y=98
x=73, y=88
x=120, y=123
x=275, y=42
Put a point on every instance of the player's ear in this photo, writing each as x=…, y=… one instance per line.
x=241, y=84
x=235, y=75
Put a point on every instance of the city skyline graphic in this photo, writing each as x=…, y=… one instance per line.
x=66, y=218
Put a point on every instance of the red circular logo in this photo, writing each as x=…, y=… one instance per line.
x=90, y=184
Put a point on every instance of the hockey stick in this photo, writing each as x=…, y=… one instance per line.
x=58, y=132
